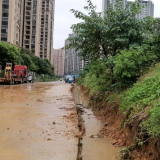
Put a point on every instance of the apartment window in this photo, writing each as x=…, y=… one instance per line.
x=3, y=39
x=4, y=15
x=27, y=37
x=27, y=46
x=4, y=22
x=4, y=30
x=28, y=8
x=28, y=18
x=27, y=41
x=27, y=32
x=27, y=27
x=5, y=6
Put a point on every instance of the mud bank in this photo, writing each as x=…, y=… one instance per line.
x=130, y=137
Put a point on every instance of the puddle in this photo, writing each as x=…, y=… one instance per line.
x=94, y=146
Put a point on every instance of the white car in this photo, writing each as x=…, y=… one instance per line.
x=30, y=79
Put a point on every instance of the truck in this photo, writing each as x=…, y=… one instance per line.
x=18, y=75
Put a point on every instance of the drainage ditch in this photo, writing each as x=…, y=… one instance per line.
x=91, y=145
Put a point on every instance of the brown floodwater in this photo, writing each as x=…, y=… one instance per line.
x=34, y=123
x=95, y=148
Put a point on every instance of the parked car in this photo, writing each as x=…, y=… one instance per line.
x=30, y=79
x=67, y=78
x=70, y=79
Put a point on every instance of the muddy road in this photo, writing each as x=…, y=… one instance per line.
x=39, y=122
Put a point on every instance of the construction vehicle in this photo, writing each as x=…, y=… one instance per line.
x=18, y=75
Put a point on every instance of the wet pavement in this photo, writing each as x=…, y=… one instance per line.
x=35, y=122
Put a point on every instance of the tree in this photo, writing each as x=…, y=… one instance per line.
x=9, y=53
x=98, y=37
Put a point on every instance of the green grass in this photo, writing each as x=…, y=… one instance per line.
x=145, y=93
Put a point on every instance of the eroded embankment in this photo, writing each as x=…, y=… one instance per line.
x=135, y=141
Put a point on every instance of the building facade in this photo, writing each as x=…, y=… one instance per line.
x=147, y=9
x=106, y=4
x=46, y=32
x=73, y=62
x=71, y=59
x=58, y=61
x=31, y=25
x=28, y=24
x=11, y=21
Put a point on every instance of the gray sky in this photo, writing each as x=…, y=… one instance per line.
x=64, y=18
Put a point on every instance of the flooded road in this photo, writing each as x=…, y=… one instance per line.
x=35, y=122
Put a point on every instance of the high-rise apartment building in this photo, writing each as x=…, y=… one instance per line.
x=38, y=27
x=46, y=34
x=58, y=61
x=71, y=59
x=11, y=21
x=28, y=24
x=73, y=62
x=106, y=4
x=147, y=9
x=31, y=25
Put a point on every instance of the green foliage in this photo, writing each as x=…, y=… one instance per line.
x=100, y=37
x=130, y=64
x=27, y=60
x=145, y=93
x=95, y=76
x=9, y=53
x=124, y=153
x=153, y=123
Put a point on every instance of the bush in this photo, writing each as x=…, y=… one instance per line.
x=130, y=64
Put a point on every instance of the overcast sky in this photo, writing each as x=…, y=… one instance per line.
x=64, y=18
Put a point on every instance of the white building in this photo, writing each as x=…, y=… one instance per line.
x=147, y=9
x=106, y=4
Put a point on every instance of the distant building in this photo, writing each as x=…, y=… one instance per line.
x=147, y=9
x=71, y=59
x=58, y=61
x=107, y=3
x=73, y=62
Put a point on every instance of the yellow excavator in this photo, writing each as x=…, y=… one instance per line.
x=8, y=71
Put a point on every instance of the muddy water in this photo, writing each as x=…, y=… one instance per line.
x=33, y=123
x=94, y=147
